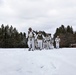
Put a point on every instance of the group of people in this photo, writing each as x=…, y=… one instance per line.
x=39, y=41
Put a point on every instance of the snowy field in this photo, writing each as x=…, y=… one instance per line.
x=45, y=62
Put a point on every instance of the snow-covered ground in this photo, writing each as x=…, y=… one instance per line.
x=45, y=62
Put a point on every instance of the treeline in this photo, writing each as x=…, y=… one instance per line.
x=11, y=38
x=67, y=35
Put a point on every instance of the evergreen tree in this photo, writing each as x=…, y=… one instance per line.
x=69, y=29
x=62, y=29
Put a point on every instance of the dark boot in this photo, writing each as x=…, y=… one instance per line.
x=29, y=49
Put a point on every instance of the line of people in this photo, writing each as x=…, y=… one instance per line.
x=38, y=41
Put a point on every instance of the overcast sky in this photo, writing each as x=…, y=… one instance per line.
x=45, y=15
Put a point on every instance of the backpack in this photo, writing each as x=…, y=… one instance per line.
x=40, y=37
x=30, y=34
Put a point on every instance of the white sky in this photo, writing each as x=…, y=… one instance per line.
x=45, y=15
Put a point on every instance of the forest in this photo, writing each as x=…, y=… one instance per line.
x=11, y=38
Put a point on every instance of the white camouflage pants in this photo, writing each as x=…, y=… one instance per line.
x=31, y=43
x=57, y=45
x=39, y=44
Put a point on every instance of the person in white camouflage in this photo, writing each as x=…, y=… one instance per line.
x=51, y=43
x=47, y=41
x=57, y=40
x=39, y=38
x=31, y=39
